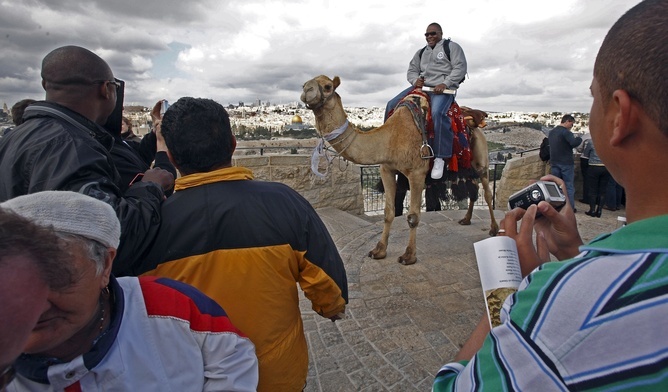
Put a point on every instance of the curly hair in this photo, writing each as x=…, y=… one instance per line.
x=198, y=134
x=634, y=58
x=18, y=109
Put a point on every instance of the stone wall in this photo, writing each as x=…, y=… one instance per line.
x=520, y=172
x=341, y=188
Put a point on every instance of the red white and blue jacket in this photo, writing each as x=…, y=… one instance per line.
x=164, y=336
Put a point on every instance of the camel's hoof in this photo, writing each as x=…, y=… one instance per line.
x=465, y=222
x=407, y=261
x=376, y=254
x=493, y=231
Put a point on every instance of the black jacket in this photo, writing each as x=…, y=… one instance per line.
x=58, y=149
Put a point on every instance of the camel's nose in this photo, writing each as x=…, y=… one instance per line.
x=308, y=93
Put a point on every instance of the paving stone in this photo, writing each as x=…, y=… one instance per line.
x=335, y=382
x=362, y=379
x=388, y=375
x=386, y=345
x=332, y=338
x=399, y=358
x=340, y=351
x=350, y=364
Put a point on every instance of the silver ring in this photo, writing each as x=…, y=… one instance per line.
x=501, y=231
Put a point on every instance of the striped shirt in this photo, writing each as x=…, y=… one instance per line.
x=596, y=322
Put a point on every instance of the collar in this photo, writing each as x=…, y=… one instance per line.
x=36, y=368
x=50, y=109
x=647, y=235
x=232, y=173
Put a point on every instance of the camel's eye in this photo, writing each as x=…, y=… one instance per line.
x=328, y=87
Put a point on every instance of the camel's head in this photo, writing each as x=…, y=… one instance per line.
x=318, y=90
x=474, y=118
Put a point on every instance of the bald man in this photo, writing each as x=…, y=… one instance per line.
x=62, y=145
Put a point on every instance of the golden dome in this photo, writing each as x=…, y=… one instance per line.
x=296, y=119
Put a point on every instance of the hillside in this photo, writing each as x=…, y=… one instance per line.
x=523, y=138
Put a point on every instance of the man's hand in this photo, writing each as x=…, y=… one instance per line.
x=159, y=176
x=155, y=112
x=440, y=88
x=559, y=228
x=419, y=83
x=530, y=257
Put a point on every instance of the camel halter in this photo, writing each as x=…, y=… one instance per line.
x=321, y=103
x=320, y=151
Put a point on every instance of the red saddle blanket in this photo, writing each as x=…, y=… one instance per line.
x=461, y=146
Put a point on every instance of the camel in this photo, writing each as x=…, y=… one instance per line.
x=396, y=145
x=475, y=120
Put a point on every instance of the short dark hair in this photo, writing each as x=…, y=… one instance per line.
x=73, y=66
x=20, y=237
x=567, y=117
x=436, y=25
x=198, y=135
x=18, y=109
x=634, y=58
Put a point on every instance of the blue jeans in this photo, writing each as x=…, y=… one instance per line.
x=443, y=135
x=566, y=173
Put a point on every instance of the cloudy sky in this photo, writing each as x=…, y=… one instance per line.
x=523, y=55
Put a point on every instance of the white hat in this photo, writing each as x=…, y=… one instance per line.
x=69, y=212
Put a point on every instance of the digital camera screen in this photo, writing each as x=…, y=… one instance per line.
x=552, y=190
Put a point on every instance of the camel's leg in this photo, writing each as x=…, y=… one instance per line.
x=390, y=185
x=416, y=181
x=494, y=227
x=469, y=213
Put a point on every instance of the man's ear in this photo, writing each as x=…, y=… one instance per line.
x=108, y=262
x=625, y=121
x=104, y=91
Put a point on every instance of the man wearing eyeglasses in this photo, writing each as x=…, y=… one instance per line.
x=440, y=65
x=62, y=146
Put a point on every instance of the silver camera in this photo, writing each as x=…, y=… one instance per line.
x=535, y=193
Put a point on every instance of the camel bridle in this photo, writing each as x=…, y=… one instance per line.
x=323, y=100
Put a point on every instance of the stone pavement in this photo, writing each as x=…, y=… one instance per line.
x=404, y=322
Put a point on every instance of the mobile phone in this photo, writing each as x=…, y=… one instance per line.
x=163, y=107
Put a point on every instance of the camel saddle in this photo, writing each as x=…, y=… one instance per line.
x=418, y=102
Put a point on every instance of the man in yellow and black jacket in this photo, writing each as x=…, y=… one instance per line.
x=244, y=243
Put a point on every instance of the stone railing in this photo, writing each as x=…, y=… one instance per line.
x=520, y=172
x=341, y=188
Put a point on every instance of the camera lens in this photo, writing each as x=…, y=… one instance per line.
x=535, y=195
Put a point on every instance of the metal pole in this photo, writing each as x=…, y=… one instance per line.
x=494, y=190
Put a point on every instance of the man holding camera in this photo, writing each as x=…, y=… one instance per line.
x=595, y=321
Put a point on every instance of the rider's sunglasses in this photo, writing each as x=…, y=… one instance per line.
x=430, y=33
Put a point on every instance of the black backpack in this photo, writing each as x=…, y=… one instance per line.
x=545, y=150
x=446, y=49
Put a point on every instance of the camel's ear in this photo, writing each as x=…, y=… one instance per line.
x=336, y=82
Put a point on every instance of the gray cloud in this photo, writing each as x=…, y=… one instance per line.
x=252, y=50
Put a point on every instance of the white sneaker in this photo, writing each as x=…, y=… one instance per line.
x=437, y=170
